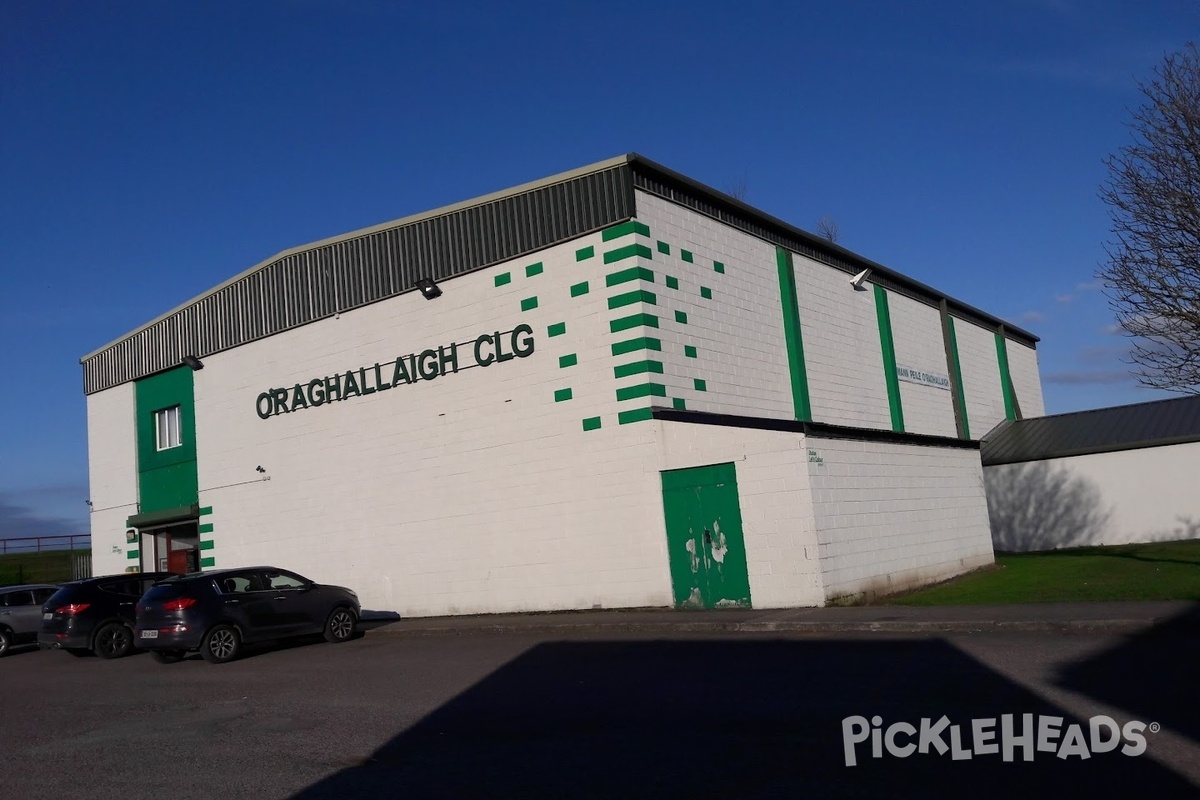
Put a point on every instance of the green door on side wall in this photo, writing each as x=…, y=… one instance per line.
x=704, y=537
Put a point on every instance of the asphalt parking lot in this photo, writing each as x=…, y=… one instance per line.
x=589, y=715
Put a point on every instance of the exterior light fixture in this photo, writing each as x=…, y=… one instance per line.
x=428, y=288
x=857, y=280
x=193, y=362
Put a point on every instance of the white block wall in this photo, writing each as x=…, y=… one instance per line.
x=919, y=344
x=741, y=354
x=776, y=505
x=1146, y=495
x=980, y=376
x=1026, y=378
x=890, y=517
x=112, y=476
x=473, y=492
x=842, y=349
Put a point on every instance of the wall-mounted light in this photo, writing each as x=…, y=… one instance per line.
x=857, y=280
x=428, y=288
x=193, y=362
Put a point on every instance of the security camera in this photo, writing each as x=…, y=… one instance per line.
x=857, y=280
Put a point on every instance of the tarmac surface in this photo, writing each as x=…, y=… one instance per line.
x=1099, y=616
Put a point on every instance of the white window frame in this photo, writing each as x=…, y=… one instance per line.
x=167, y=428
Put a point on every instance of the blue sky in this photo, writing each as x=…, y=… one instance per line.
x=151, y=150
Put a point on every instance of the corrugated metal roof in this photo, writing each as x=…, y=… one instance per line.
x=1102, y=430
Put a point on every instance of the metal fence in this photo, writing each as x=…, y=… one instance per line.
x=45, y=559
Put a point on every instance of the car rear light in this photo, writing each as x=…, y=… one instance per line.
x=179, y=604
x=71, y=609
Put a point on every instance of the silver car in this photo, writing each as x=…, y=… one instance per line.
x=21, y=613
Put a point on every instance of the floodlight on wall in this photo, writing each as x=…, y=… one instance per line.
x=193, y=362
x=857, y=280
x=428, y=288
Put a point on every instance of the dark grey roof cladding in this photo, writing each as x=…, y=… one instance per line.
x=1103, y=430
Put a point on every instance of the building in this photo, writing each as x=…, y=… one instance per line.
x=614, y=387
x=1108, y=476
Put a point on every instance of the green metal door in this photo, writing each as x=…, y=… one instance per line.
x=704, y=537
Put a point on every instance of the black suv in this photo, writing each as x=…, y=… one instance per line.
x=215, y=612
x=95, y=615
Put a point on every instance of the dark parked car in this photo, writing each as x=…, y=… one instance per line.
x=216, y=612
x=95, y=615
x=21, y=613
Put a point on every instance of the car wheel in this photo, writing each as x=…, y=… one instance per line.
x=340, y=625
x=168, y=656
x=114, y=640
x=221, y=644
x=5, y=641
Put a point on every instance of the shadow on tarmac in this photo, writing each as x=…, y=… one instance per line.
x=730, y=719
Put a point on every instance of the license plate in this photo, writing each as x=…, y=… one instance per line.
x=149, y=634
x=48, y=615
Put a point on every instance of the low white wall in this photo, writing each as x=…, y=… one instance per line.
x=1146, y=495
x=112, y=476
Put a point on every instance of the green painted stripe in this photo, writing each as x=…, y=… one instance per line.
x=206, y=528
x=204, y=512
x=591, y=424
x=557, y=329
x=640, y=343
x=579, y=288
x=793, y=335
x=706, y=292
x=700, y=384
x=635, y=321
x=664, y=248
x=631, y=274
x=637, y=368
x=503, y=278
x=569, y=360
x=672, y=283
x=562, y=394
x=641, y=390
x=634, y=415
x=624, y=229
x=208, y=562
x=884, y=316
x=689, y=351
x=206, y=544
x=677, y=402
x=1010, y=405
x=132, y=554
x=533, y=269
x=686, y=255
x=959, y=393
x=529, y=304
x=584, y=253
x=681, y=317
x=628, y=251
x=719, y=267
x=629, y=298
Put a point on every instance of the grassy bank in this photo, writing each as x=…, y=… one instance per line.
x=48, y=566
x=1161, y=571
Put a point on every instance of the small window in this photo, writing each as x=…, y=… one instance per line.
x=166, y=426
x=282, y=580
x=23, y=598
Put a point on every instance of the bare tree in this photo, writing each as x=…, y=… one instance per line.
x=827, y=228
x=737, y=188
x=1152, y=272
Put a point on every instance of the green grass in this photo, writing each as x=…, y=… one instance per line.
x=48, y=566
x=1161, y=571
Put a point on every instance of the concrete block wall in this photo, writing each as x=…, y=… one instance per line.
x=487, y=490
x=920, y=347
x=891, y=517
x=719, y=314
x=842, y=350
x=112, y=476
x=980, y=376
x=1144, y=495
x=775, y=500
x=1026, y=378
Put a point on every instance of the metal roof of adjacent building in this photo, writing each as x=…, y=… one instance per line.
x=1102, y=430
x=319, y=280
